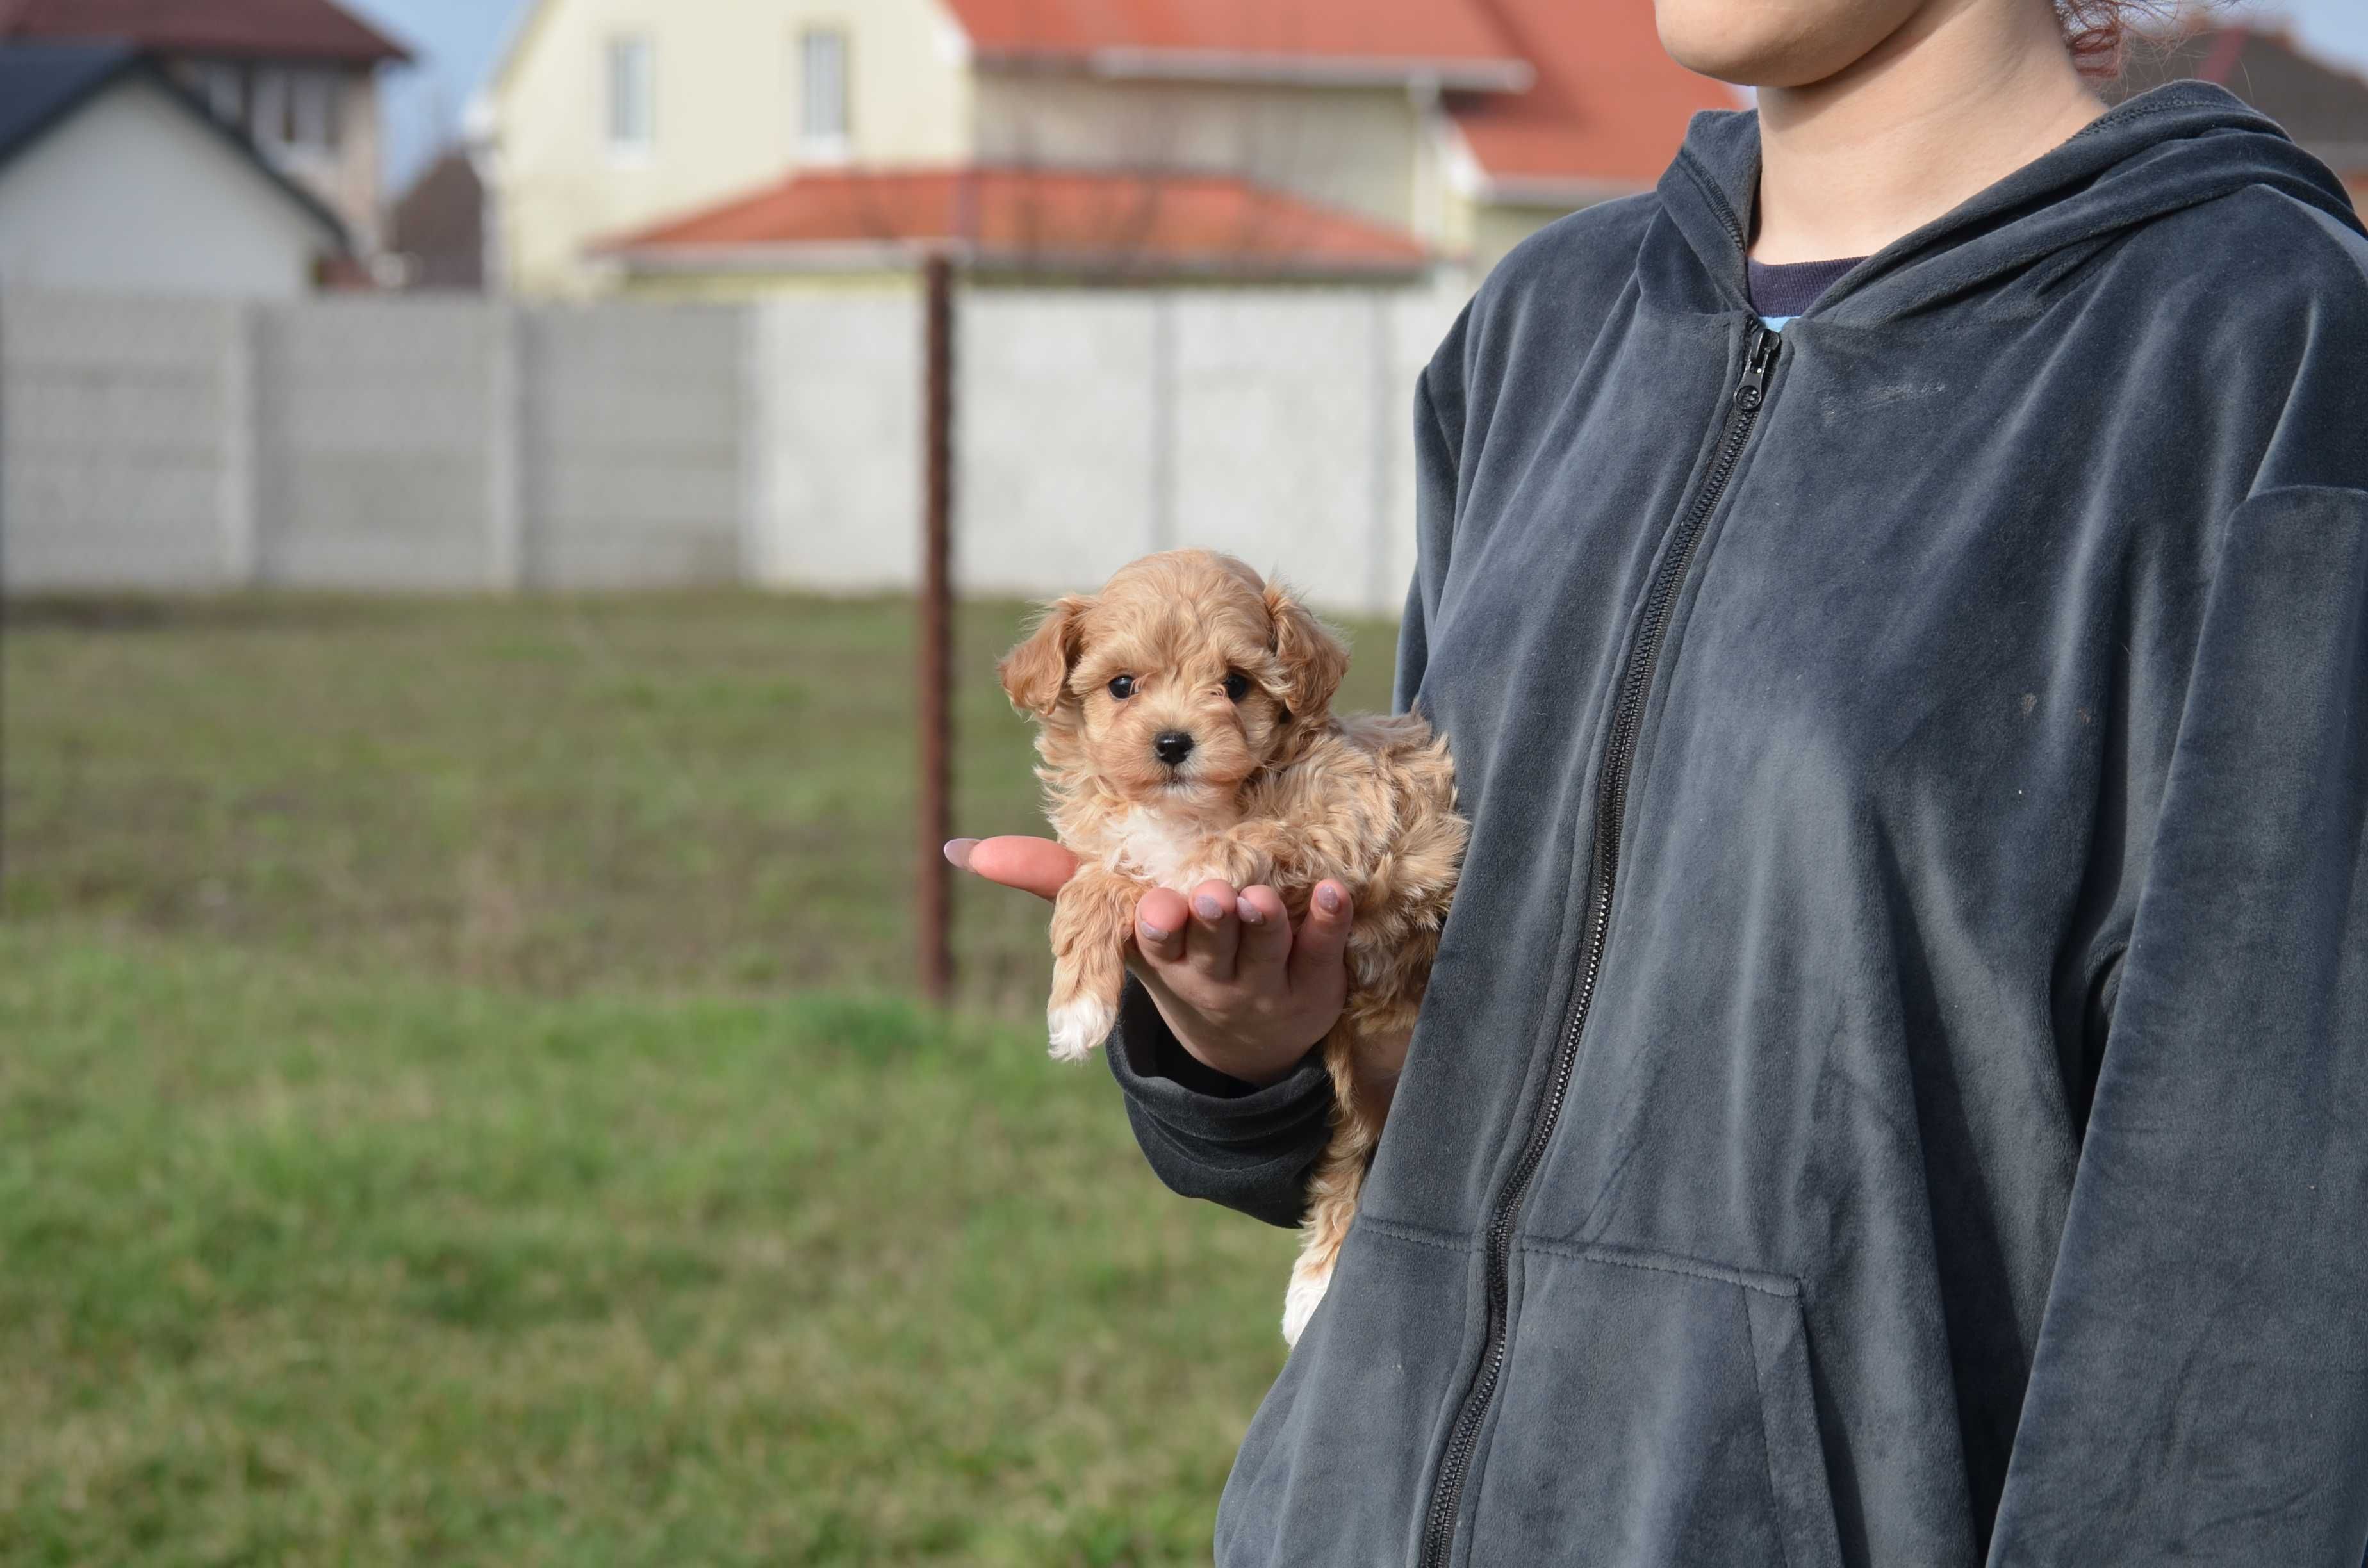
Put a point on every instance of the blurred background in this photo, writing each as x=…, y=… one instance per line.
x=486, y=1076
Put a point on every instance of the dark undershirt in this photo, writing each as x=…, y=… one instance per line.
x=1780, y=290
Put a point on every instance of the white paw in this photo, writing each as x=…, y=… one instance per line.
x=1079, y=1026
x=1299, y=1303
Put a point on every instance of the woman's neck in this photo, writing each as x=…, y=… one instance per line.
x=1962, y=95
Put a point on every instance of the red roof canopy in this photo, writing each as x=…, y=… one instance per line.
x=1447, y=37
x=1608, y=109
x=283, y=29
x=1092, y=221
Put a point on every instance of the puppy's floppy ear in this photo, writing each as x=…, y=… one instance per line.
x=1311, y=655
x=1035, y=673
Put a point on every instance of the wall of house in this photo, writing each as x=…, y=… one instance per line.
x=1359, y=148
x=725, y=115
x=346, y=178
x=131, y=195
x=404, y=444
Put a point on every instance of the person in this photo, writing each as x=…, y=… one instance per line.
x=1893, y=1090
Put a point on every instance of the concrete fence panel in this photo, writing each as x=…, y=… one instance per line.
x=633, y=431
x=373, y=434
x=836, y=434
x=120, y=463
x=1279, y=437
x=1061, y=439
x=454, y=445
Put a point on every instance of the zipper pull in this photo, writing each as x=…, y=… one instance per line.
x=1753, y=389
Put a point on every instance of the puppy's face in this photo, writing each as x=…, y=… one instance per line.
x=1184, y=676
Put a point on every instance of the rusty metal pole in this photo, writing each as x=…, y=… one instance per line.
x=936, y=653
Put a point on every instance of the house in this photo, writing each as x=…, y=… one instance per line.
x=113, y=177
x=299, y=77
x=2324, y=108
x=719, y=146
x=435, y=234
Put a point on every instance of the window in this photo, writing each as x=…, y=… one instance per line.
x=631, y=120
x=296, y=109
x=314, y=100
x=822, y=92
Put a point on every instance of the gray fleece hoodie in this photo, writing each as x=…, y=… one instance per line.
x=1894, y=1087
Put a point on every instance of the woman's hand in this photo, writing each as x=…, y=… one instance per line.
x=1243, y=991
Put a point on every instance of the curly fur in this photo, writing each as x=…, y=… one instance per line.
x=1276, y=791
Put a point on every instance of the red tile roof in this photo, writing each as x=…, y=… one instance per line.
x=1608, y=109
x=280, y=30
x=1037, y=220
x=1334, y=39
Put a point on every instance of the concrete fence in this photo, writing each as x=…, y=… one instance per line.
x=402, y=444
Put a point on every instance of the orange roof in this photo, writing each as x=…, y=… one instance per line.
x=1608, y=109
x=1025, y=219
x=1452, y=39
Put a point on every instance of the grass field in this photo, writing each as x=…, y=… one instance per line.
x=456, y=1108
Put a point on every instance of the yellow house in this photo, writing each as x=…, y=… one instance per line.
x=732, y=145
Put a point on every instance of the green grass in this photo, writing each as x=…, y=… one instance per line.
x=699, y=792
x=455, y=1107
x=302, y=1267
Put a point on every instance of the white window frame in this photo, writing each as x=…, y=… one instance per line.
x=629, y=122
x=825, y=138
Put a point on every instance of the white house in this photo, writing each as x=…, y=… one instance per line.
x=113, y=179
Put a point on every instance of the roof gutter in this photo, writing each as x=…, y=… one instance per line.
x=1273, y=70
x=902, y=255
x=1551, y=190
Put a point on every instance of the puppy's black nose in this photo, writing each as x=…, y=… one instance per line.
x=1172, y=747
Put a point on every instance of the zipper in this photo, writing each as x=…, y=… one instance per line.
x=1612, y=804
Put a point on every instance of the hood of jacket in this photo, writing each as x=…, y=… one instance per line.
x=2174, y=147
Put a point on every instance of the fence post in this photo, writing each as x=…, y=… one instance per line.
x=935, y=652
x=506, y=457
x=1381, y=590
x=235, y=495
x=1164, y=391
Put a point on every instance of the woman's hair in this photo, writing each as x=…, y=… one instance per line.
x=2097, y=31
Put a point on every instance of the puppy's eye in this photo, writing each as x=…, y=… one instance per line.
x=1238, y=686
x=1122, y=687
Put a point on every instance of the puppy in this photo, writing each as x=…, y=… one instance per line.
x=1185, y=734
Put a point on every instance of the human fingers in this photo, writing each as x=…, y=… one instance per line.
x=1316, y=948
x=1266, y=936
x=1032, y=865
x=1159, y=918
x=1214, y=939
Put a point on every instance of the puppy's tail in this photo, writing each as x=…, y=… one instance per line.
x=1332, y=1191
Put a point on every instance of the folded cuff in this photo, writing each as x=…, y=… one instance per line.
x=1209, y=1135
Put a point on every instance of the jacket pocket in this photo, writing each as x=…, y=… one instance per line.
x=1655, y=1413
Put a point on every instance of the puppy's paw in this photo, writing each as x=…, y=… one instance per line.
x=1077, y=1026
x=1299, y=1303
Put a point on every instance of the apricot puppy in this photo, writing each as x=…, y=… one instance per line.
x=1185, y=734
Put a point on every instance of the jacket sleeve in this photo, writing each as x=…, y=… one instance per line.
x=2199, y=1392
x=1208, y=1135
x=1211, y=1136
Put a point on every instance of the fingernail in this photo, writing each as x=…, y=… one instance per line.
x=958, y=851
x=1151, y=932
x=1329, y=897
x=1250, y=916
x=1206, y=908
